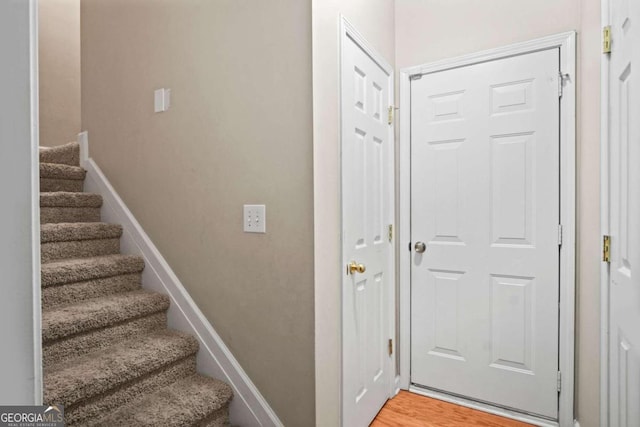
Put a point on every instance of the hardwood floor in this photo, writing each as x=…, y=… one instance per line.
x=412, y=410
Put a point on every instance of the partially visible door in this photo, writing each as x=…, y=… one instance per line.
x=624, y=205
x=367, y=208
x=485, y=213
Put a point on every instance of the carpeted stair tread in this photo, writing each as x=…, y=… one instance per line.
x=72, y=347
x=78, y=240
x=187, y=402
x=66, y=199
x=67, y=232
x=100, y=313
x=68, y=154
x=96, y=373
x=71, y=293
x=61, y=171
x=77, y=270
x=88, y=410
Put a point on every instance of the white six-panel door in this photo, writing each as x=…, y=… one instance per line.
x=624, y=214
x=367, y=204
x=485, y=203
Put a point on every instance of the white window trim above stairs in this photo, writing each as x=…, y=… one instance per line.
x=248, y=407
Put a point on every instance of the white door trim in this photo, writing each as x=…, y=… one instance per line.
x=566, y=42
x=348, y=32
x=604, y=225
x=35, y=203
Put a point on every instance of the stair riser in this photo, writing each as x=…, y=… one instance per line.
x=70, y=348
x=54, y=251
x=79, y=231
x=87, y=411
x=51, y=185
x=70, y=293
x=60, y=214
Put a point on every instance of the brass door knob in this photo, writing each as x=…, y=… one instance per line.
x=354, y=268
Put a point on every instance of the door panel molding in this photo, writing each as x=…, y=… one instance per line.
x=566, y=42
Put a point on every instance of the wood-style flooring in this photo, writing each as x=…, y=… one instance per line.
x=412, y=410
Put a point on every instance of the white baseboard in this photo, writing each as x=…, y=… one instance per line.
x=248, y=407
x=576, y=423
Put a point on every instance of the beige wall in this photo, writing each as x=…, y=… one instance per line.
x=239, y=131
x=375, y=20
x=59, y=70
x=429, y=30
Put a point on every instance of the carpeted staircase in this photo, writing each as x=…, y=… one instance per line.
x=107, y=353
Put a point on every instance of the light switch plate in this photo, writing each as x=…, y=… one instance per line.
x=158, y=100
x=255, y=219
x=161, y=100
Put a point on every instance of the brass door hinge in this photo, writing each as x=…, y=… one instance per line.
x=390, y=114
x=606, y=39
x=606, y=248
x=390, y=232
x=390, y=347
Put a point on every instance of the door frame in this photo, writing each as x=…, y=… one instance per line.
x=349, y=32
x=35, y=202
x=566, y=42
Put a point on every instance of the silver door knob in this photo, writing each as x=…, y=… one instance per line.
x=420, y=247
